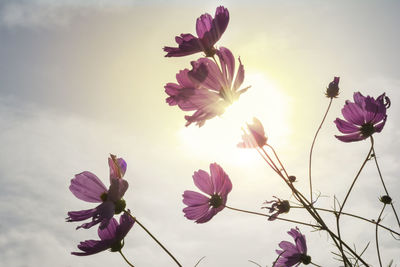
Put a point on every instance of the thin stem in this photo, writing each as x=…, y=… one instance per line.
x=273, y=163
x=312, y=146
x=123, y=256
x=268, y=216
x=358, y=174
x=376, y=235
x=199, y=261
x=315, y=264
x=384, y=186
x=155, y=239
x=351, y=215
x=280, y=163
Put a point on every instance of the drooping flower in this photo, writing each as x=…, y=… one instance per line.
x=293, y=254
x=363, y=118
x=254, y=137
x=207, y=89
x=333, y=89
x=111, y=237
x=217, y=186
x=278, y=206
x=209, y=31
x=88, y=187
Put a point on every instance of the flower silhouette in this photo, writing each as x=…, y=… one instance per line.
x=217, y=186
x=88, y=187
x=209, y=31
x=207, y=89
x=110, y=237
x=293, y=254
x=363, y=118
x=254, y=137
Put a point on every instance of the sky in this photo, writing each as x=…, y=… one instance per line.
x=79, y=81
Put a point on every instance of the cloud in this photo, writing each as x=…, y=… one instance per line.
x=49, y=14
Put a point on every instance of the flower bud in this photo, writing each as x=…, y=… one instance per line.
x=386, y=199
x=333, y=88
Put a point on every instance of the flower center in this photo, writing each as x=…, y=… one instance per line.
x=103, y=196
x=367, y=129
x=116, y=246
x=215, y=201
x=119, y=206
x=284, y=206
x=305, y=259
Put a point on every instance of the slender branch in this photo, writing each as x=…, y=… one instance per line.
x=313, y=262
x=154, y=238
x=280, y=163
x=199, y=261
x=358, y=174
x=123, y=256
x=312, y=146
x=376, y=235
x=384, y=186
x=268, y=216
x=352, y=215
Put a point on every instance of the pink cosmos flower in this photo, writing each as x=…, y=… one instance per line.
x=202, y=208
x=363, y=118
x=110, y=237
x=293, y=254
x=88, y=187
x=254, y=137
x=209, y=31
x=207, y=89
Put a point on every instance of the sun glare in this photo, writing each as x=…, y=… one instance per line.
x=264, y=101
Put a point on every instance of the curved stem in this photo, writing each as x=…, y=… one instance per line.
x=312, y=146
x=384, y=186
x=376, y=235
x=123, y=256
x=154, y=238
x=268, y=216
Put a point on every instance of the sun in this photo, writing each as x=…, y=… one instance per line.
x=220, y=135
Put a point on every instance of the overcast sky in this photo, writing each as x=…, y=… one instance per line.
x=80, y=81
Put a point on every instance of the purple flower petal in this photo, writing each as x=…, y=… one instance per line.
x=346, y=127
x=363, y=118
x=126, y=222
x=87, y=187
x=117, y=167
x=192, y=198
x=109, y=231
x=227, y=62
x=90, y=247
x=350, y=137
x=353, y=113
x=203, y=181
x=117, y=189
x=220, y=179
x=196, y=212
x=203, y=24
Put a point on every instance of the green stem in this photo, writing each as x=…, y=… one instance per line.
x=154, y=238
x=384, y=186
x=123, y=256
x=268, y=216
x=352, y=215
x=312, y=147
x=358, y=174
x=376, y=235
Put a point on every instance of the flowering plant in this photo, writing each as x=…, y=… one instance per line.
x=212, y=84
